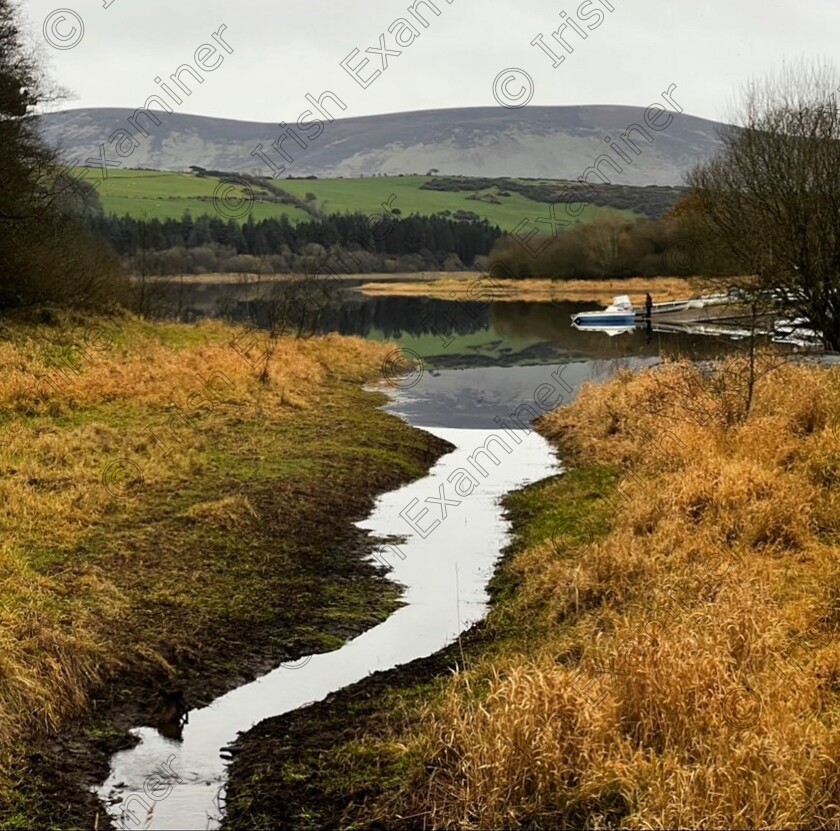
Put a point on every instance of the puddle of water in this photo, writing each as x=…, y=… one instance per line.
x=444, y=564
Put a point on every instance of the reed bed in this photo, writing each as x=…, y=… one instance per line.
x=482, y=289
x=683, y=671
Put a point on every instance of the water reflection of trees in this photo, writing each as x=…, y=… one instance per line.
x=552, y=322
x=393, y=318
x=390, y=317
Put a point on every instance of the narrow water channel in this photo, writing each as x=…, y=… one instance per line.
x=451, y=529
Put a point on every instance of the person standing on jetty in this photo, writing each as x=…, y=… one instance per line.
x=648, y=317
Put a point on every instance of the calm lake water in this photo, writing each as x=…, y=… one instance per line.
x=459, y=333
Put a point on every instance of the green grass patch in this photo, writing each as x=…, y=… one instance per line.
x=150, y=194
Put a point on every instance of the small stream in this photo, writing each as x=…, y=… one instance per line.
x=450, y=529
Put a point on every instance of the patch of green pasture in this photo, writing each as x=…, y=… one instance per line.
x=167, y=195
x=369, y=194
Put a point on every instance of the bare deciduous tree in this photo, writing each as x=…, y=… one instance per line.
x=772, y=196
x=604, y=242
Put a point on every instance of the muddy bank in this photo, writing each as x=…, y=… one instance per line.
x=353, y=596
x=318, y=767
x=281, y=777
x=442, y=567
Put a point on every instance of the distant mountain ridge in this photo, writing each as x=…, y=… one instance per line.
x=532, y=142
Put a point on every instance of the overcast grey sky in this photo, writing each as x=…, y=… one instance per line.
x=283, y=50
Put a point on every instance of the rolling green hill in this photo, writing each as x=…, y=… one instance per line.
x=166, y=195
x=153, y=194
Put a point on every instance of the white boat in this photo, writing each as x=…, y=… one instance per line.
x=795, y=329
x=618, y=315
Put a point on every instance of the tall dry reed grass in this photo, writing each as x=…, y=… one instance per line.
x=58, y=615
x=480, y=288
x=684, y=672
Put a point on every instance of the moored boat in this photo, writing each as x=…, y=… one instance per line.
x=619, y=314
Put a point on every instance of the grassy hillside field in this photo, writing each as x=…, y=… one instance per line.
x=155, y=194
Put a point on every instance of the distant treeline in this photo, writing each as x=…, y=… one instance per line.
x=603, y=248
x=383, y=243
x=609, y=248
x=653, y=201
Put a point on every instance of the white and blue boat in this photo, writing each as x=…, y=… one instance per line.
x=618, y=315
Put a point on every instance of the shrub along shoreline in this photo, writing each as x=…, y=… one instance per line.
x=173, y=526
x=663, y=649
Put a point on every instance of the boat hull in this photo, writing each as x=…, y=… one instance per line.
x=612, y=331
x=598, y=319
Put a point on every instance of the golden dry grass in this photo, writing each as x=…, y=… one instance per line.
x=240, y=278
x=474, y=287
x=59, y=615
x=684, y=672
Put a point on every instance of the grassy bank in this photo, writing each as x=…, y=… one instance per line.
x=475, y=287
x=172, y=523
x=663, y=650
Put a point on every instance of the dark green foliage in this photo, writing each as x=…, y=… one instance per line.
x=364, y=243
x=653, y=201
x=45, y=257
